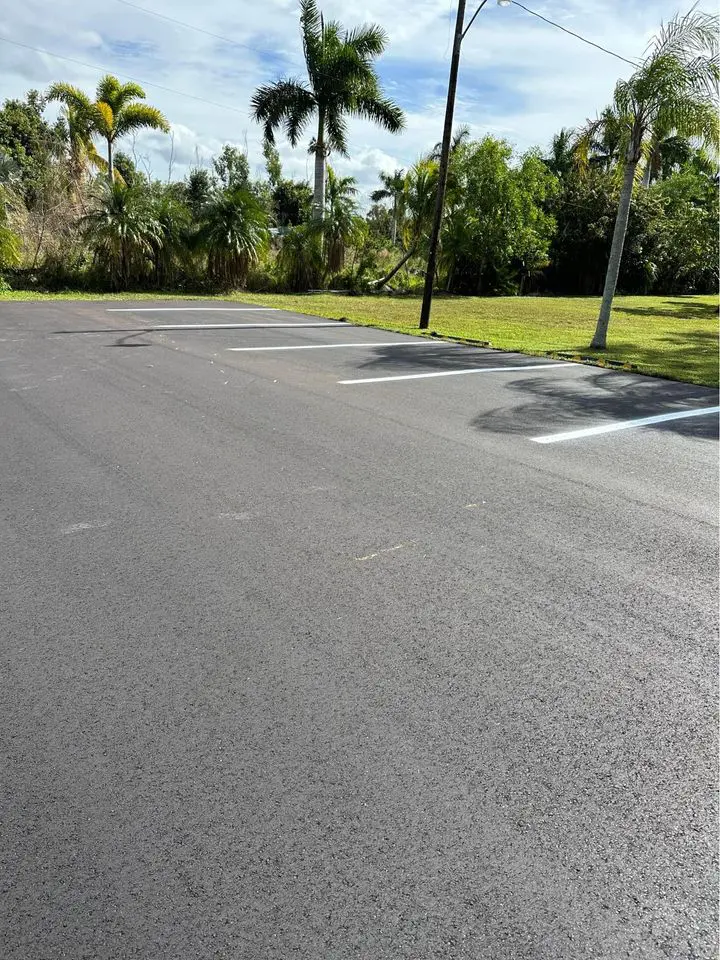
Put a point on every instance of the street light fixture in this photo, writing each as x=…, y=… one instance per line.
x=460, y=31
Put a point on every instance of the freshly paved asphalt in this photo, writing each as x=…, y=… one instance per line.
x=297, y=669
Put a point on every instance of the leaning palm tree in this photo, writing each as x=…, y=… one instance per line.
x=419, y=201
x=113, y=113
x=393, y=188
x=675, y=89
x=342, y=82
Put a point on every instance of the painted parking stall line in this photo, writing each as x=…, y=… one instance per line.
x=225, y=326
x=192, y=310
x=625, y=425
x=454, y=373
x=332, y=346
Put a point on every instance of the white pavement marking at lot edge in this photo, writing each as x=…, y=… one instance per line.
x=457, y=373
x=336, y=346
x=624, y=425
x=230, y=326
x=191, y=309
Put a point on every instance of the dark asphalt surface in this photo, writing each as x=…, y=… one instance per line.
x=296, y=669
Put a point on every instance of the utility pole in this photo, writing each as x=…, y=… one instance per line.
x=443, y=169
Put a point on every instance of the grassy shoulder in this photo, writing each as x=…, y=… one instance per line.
x=673, y=336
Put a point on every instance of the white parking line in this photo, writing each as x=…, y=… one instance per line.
x=624, y=425
x=457, y=373
x=191, y=309
x=334, y=346
x=230, y=326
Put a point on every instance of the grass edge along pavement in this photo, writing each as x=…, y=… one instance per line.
x=664, y=336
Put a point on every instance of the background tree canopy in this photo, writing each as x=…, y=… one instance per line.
x=78, y=209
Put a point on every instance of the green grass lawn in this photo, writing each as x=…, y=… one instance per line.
x=672, y=336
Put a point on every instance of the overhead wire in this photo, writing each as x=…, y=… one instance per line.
x=190, y=26
x=633, y=63
x=144, y=83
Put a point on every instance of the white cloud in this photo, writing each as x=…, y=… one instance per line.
x=520, y=78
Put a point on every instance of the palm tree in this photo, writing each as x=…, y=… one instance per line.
x=674, y=90
x=342, y=82
x=124, y=232
x=299, y=261
x=561, y=159
x=340, y=223
x=600, y=143
x=113, y=113
x=393, y=186
x=233, y=234
x=460, y=138
x=198, y=190
x=171, y=250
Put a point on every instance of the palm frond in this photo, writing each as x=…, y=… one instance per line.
x=137, y=116
x=381, y=110
x=336, y=132
x=104, y=118
x=71, y=96
x=285, y=103
x=368, y=41
x=110, y=90
x=311, y=28
x=686, y=34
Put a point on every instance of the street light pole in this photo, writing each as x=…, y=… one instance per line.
x=443, y=168
x=447, y=135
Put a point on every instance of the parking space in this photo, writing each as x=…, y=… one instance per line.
x=523, y=397
x=376, y=620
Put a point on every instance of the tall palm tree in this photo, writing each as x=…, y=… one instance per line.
x=341, y=82
x=393, y=187
x=113, y=113
x=673, y=90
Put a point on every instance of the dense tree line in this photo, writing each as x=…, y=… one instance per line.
x=76, y=210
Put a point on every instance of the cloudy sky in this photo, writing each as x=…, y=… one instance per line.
x=519, y=78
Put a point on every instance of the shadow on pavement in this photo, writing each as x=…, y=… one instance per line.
x=123, y=341
x=442, y=356
x=550, y=405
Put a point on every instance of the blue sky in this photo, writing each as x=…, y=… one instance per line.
x=520, y=79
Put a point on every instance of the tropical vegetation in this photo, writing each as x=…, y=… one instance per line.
x=627, y=204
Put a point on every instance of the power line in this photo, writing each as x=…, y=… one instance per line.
x=144, y=83
x=573, y=34
x=190, y=26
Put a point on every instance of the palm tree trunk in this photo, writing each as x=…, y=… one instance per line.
x=318, y=206
x=395, y=219
x=111, y=172
x=599, y=341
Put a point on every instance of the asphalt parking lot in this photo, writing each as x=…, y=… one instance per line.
x=325, y=642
